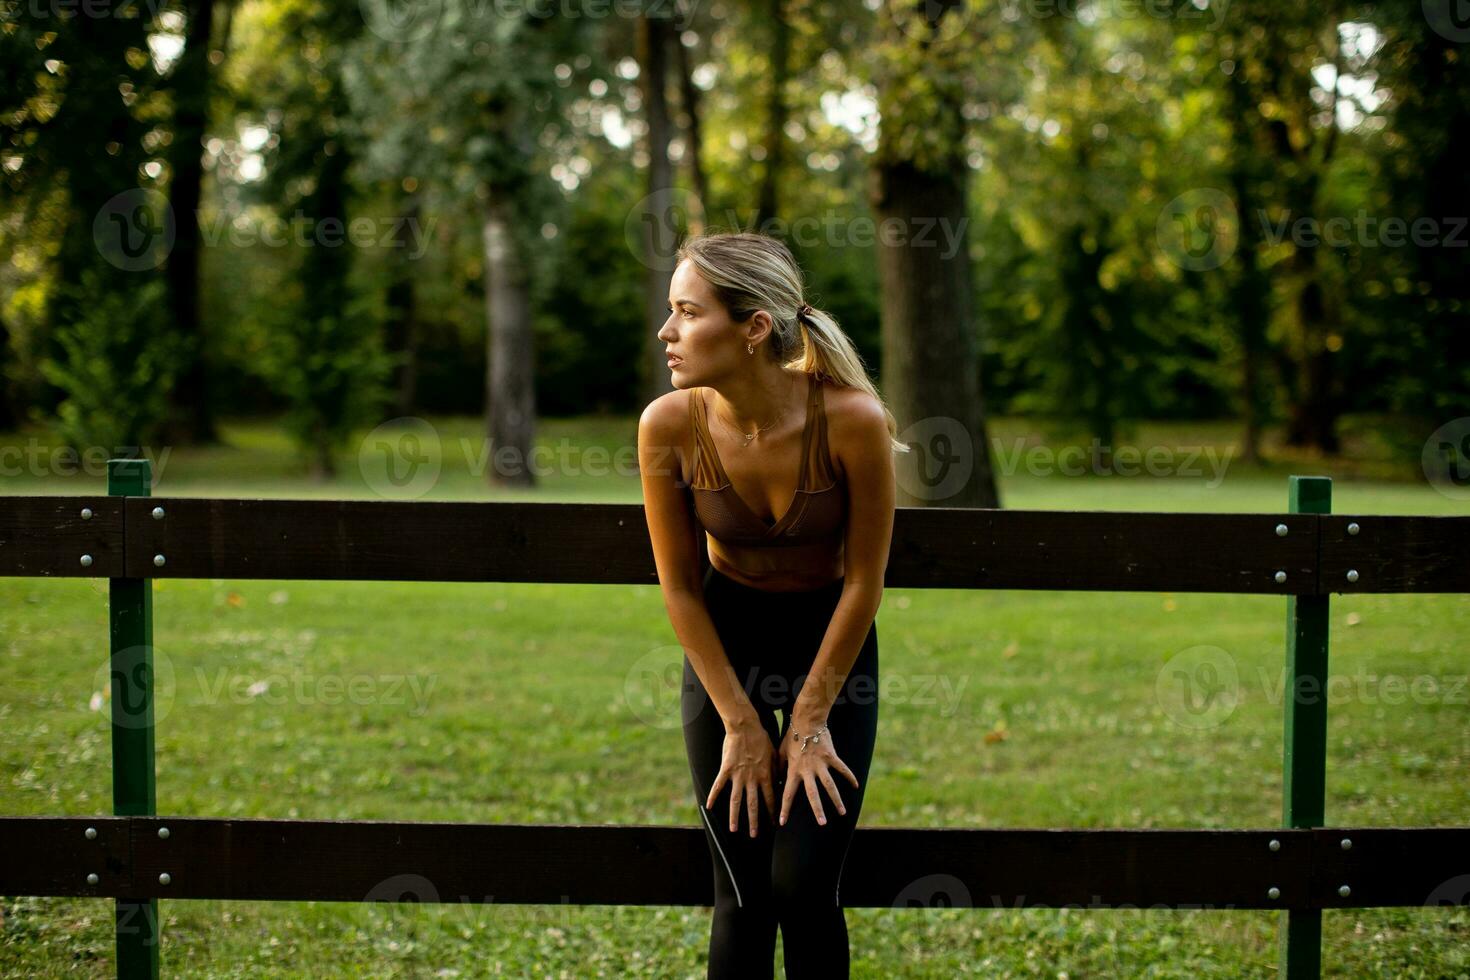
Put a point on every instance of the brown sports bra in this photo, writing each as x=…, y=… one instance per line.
x=803, y=547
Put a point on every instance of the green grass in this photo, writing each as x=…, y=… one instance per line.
x=532, y=704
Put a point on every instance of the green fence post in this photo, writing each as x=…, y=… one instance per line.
x=130, y=608
x=1304, y=766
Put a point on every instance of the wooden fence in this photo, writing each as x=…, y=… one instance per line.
x=1301, y=868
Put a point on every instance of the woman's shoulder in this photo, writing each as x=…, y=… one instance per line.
x=856, y=423
x=850, y=407
x=667, y=414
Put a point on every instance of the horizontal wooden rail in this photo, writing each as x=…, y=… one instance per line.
x=933, y=547
x=357, y=861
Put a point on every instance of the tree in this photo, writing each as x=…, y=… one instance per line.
x=473, y=101
x=919, y=180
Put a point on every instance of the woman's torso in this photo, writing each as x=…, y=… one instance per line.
x=800, y=548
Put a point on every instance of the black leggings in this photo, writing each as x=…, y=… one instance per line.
x=784, y=875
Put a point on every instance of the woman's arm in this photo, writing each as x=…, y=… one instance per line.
x=861, y=442
x=675, y=538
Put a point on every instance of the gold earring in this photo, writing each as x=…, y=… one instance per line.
x=749, y=349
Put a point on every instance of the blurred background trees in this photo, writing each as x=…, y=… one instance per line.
x=342, y=212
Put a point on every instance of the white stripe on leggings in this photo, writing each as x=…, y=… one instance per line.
x=715, y=837
x=839, y=871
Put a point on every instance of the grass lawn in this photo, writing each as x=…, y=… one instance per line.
x=527, y=703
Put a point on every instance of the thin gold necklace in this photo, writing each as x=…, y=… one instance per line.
x=749, y=438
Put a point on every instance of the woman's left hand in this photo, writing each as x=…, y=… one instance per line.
x=809, y=768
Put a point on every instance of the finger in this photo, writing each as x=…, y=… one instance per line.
x=787, y=792
x=752, y=810
x=811, y=794
x=735, y=790
x=714, y=790
x=842, y=768
x=769, y=794
x=827, y=781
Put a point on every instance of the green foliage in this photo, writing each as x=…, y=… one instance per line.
x=331, y=372
x=118, y=360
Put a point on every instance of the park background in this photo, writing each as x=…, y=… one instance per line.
x=257, y=240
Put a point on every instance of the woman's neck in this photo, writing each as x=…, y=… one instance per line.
x=756, y=398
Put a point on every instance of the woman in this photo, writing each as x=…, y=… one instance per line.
x=777, y=444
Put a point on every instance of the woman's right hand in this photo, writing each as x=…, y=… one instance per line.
x=747, y=764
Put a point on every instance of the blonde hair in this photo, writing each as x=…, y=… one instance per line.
x=750, y=272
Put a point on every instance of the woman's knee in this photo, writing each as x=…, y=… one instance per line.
x=794, y=888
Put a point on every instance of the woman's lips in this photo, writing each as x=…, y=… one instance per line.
x=674, y=360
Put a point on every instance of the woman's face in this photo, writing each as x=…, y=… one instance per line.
x=699, y=333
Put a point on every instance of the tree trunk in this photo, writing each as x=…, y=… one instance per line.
x=1250, y=303
x=510, y=398
x=768, y=201
x=402, y=326
x=660, y=237
x=1314, y=408
x=689, y=95
x=931, y=365
x=7, y=413
x=194, y=416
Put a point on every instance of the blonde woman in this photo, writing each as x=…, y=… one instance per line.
x=775, y=445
